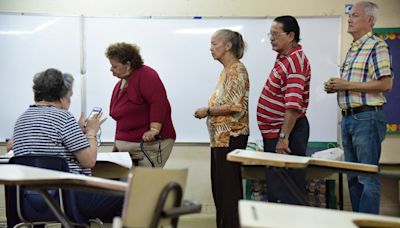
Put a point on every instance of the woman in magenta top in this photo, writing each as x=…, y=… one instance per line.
x=140, y=106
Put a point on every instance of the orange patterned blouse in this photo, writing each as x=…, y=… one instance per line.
x=232, y=91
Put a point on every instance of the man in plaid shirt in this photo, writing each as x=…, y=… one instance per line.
x=365, y=74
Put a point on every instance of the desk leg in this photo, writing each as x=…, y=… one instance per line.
x=56, y=210
x=341, y=191
x=287, y=180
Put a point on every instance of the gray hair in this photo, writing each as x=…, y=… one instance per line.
x=236, y=40
x=51, y=85
x=371, y=9
x=68, y=80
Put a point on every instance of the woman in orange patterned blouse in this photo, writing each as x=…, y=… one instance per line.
x=228, y=124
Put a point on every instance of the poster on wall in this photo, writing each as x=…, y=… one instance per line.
x=392, y=107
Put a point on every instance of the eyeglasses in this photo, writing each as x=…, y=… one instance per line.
x=275, y=35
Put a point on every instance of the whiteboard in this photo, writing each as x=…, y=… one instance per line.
x=178, y=49
x=30, y=44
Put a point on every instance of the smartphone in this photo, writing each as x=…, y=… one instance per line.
x=95, y=110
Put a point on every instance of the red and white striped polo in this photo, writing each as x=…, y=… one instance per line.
x=288, y=87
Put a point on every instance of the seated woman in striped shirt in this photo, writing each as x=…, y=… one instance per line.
x=47, y=128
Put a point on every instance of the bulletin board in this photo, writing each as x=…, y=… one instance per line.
x=392, y=107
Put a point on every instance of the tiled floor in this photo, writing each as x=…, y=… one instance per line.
x=200, y=221
x=197, y=221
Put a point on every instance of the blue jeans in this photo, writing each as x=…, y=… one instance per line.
x=362, y=135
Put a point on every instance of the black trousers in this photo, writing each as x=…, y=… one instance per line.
x=226, y=182
x=277, y=191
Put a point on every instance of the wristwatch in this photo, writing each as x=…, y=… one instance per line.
x=283, y=135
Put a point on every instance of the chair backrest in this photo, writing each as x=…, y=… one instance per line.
x=41, y=161
x=28, y=204
x=145, y=188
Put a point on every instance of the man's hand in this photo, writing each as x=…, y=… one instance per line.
x=282, y=147
x=336, y=84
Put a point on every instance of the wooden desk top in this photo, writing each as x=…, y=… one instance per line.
x=11, y=174
x=112, y=165
x=122, y=159
x=248, y=157
x=261, y=214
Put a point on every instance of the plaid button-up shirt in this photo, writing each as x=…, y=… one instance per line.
x=368, y=59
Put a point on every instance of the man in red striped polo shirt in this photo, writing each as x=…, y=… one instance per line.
x=282, y=106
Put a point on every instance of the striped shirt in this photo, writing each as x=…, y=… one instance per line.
x=46, y=130
x=232, y=91
x=367, y=59
x=287, y=87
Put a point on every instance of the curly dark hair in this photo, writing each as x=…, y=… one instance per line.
x=49, y=85
x=125, y=52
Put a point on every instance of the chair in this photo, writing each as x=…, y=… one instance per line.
x=31, y=209
x=154, y=198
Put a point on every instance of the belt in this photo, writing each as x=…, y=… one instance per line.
x=365, y=108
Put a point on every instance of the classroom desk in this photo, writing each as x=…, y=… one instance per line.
x=110, y=170
x=110, y=165
x=43, y=179
x=255, y=214
x=4, y=159
x=324, y=166
x=292, y=161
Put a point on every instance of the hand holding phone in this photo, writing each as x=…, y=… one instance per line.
x=95, y=111
x=93, y=121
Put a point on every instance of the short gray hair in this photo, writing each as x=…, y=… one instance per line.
x=68, y=80
x=371, y=9
x=236, y=39
x=51, y=85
